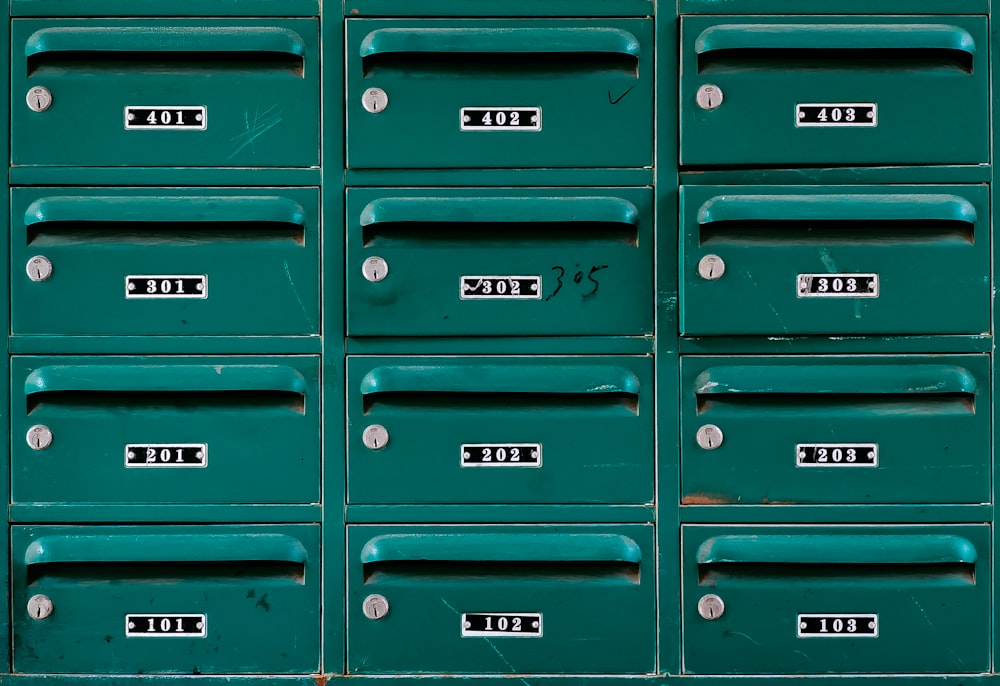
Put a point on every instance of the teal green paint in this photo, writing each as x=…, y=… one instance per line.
x=248, y=345
x=166, y=176
x=262, y=618
x=257, y=249
x=835, y=514
x=607, y=88
x=514, y=345
x=55, y=513
x=589, y=250
x=833, y=7
x=255, y=414
x=499, y=8
x=981, y=173
x=261, y=111
x=591, y=417
x=786, y=345
x=933, y=611
x=925, y=414
x=610, y=604
x=743, y=58
x=557, y=178
x=168, y=8
x=473, y=513
x=928, y=245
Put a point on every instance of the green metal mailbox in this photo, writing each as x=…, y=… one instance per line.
x=834, y=90
x=165, y=261
x=836, y=599
x=499, y=262
x=440, y=93
x=170, y=430
x=166, y=599
x=836, y=429
x=835, y=260
x=170, y=92
x=500, y=430
x=501, y=600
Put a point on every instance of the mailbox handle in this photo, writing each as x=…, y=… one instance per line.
x=892, y=379
x=838, y=549
x=895, y=207
x=607, y=210
x=912, y=37
x=503, y=547
x=499, y=40
x=139, y=548
x=182, y=378
x=177, y=209
x=488, y=378
x=144, y=39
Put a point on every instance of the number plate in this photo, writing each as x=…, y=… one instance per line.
x=836, y=455
x=166, y=286
x=863, y=114
x=166, y=626
x=838, y=285
x=502, y=455
x=838, y=626
x=165, y=117
x=516, y=624
x=501, y=119
x=511, y=287
x=166, y=455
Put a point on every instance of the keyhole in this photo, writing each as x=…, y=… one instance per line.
x=36, y=439
x=38, y=611
x=710, y=438
x=374, y=104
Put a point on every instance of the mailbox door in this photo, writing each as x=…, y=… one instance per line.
x=427, y=93
x=175, y=93
x=836, y=429
x=167, y=599
x=844, y=260
x=165, y=429
x=502, y=600
x=510, y=262
x=500, y=430
x=165, y=262
x=829, y=90
x=834, y=599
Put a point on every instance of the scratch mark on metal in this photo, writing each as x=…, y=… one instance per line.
x=295, y=291
x=824, y=257
x=489, y=643
x=261, y=124
x=738, y=633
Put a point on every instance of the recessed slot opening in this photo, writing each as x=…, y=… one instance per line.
x=208, y=63
x=162, y=233
x=93, y=573
x=837, y=232
x=520, y=65
x=930, y=574
x=514, y=571
x=902, y=405
x=876, y=60
x=498, y=234
x=593, y=403
x=194, y=401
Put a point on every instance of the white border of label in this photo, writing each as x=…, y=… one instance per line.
x=837, y=125
x=820, y=615
x=509, y=277
x=167, y=127
x=799, y=446
x=166, y=465
x=464, y=446
x=203, y=618
x=169, y=277
x=467, y=127
x=502, y=634
x=845, y=275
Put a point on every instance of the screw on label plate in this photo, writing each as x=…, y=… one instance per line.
x=375, y=437
x=40, y=606
x=709, y=97
x=39, y=99
x=711, y=607
x=375, y=100
x=39, y=437
x=709, y=437
x=375, y=269
x=39, y=268
x=711, y=267
x=375, y=606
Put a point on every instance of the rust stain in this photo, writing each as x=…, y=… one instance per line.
x=706, y=499
x=320, y=680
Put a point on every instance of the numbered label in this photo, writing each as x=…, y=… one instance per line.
x=831, y=626
x=502, y=455
x=166, y=626
x=523, y=624
x=501, y=119
x=494, y=287
x=161, y=117
x=166, y=455
x=836, y=455
x=864, y=114
x=166, y=286
x=837, y=285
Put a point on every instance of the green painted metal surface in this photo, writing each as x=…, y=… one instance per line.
x=257, y=250
x=928, y=247
x=253, y=416
x=164, y=8
x=592, y=585
x=586, y=76
x=588, y=251
x=928, y=585
x=920, y=426
x=257, y=588
x=922, y=74
x=257, y=80
x=590, y=420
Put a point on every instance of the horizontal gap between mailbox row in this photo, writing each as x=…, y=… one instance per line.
x=177, y=401
x=498, y=233
x=153, y=62
x=885, y=404
x=810, y=59
x=498, y=65
x=162, y=233
x=940, y=574
x=506, y=402
x=436, y=570
x=825, y=232
x=168, y=572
